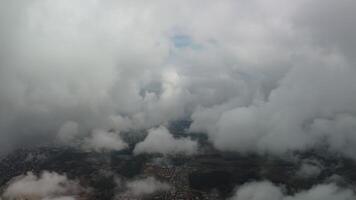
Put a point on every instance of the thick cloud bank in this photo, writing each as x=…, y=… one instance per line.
x=268, y=191
x=160, y=140
x=262, y=76
x=49, y=186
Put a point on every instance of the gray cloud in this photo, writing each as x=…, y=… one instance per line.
x=49, y=185
x=331, y=25
x=255, y=76
x=68, y=131
x=258, y=191
x=160, y=140
x=291, y=112
x=101, y=140
x=309, y=170
x=267, y=190
x=146, y=186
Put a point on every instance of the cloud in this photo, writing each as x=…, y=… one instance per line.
x=68, y=131
x=324, y=192
x=256, y=76
x=146, y=186
x=309, y=170
x=331, y=25
x=101, y=140
x=288, y=120
x=267, y=190
x=160, y=140
x=258, y=191
x=49, y=185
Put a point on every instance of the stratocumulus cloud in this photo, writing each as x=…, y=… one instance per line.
x=255, y=76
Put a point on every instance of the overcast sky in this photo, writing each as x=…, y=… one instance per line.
x=256, y=76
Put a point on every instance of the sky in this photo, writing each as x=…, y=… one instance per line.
x=265, y=76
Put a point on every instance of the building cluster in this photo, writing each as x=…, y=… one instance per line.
x=178, y=178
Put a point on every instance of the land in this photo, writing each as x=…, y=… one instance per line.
x=212, y=175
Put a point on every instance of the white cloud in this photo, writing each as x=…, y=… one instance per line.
x=160, y=140
x=146, y=186
x=267, y=191
x=258, y=191
x=101, y=140
x=265, y=76
x=324, y=192
x=292, y=117
x=49, y=185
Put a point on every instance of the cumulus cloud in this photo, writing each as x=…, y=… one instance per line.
x=258, y=191
x=146, y=186
x=311, y=98
x=267, y=190
x=288, y=120
x=261, y=76
x=49, y=186
x=325, y=192
x=309, y=170
x=101, y=140
x=160, y=140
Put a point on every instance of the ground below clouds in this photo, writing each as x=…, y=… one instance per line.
x=214, y=175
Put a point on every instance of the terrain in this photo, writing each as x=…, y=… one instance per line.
x=213, y=175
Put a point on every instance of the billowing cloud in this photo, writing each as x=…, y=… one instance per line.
x=261, y=76
x=101, y=140
x=160, y=140
x=296, y=113
x=258, y=191
x=49, y=186
x=267, y=190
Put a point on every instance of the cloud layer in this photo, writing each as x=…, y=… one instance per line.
x=260, y=76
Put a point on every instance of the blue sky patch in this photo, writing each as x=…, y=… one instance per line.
x=184, y=41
